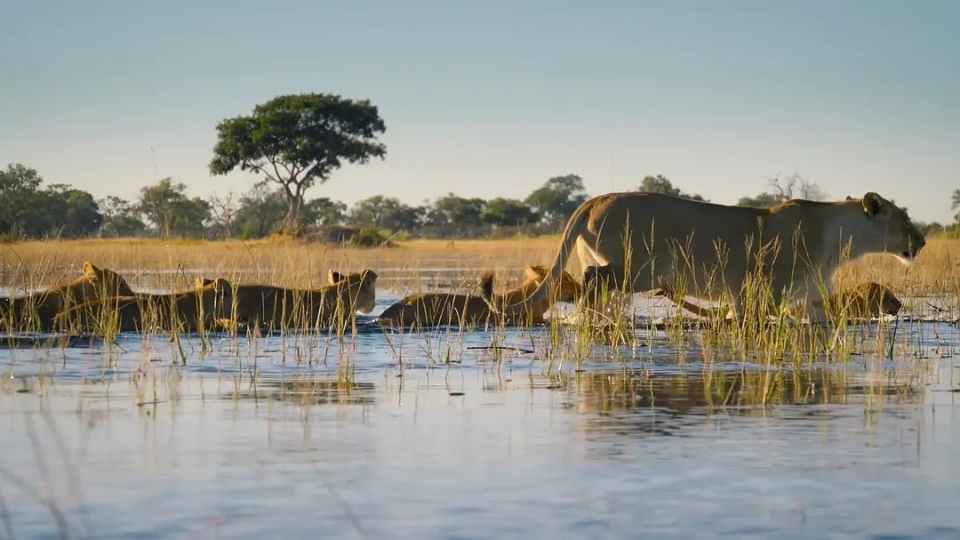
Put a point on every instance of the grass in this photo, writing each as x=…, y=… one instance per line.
x=455, y=265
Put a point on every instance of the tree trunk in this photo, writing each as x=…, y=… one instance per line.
x=291, y=222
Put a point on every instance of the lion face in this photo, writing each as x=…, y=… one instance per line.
x=97, y=281
x=361, y=287
x=899, y=236
x=567, y=289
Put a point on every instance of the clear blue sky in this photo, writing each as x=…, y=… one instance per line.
x=492, y=98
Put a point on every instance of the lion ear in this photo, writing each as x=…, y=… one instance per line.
x=90, y=269
x=872, y=204
x=849, y=198
x=334, y=277
x=202, y=282
x=534, y=273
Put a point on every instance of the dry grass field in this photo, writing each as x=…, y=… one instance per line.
x=162, y=263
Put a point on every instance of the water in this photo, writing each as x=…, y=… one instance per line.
x=132, y=443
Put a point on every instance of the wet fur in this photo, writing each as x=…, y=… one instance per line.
x=435, y=309
x=188, y=311
x=274, y=307
x=38, y=311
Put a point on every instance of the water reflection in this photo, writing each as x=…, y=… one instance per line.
x=631, y=402
x=308, y=390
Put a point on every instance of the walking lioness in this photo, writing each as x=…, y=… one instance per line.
x=639, y=241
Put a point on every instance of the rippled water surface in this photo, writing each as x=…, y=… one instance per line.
x=421, y=436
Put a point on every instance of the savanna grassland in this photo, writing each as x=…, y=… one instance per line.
x=297, y=263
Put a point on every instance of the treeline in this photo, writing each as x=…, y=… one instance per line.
x=31, y=209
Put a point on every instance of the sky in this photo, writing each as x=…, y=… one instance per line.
x=491, y=98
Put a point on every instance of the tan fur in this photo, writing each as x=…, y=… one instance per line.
x=188, y=311
x=865, y=301
x=37, y=311
x=433, y=309
x=279, y=307
x=642, y=241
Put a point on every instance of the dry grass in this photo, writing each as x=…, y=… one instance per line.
x=421, y=265
x=292, y=262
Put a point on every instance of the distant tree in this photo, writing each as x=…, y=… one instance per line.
x=223, y=211
x=261, y=210
x=763, y=200
x=167, y=206
x=501, y=212
x=955, y=205
x=70, y=213
x=120, y=218
x=18, y=192
x=299, y=140
x=460, y=217
x=323, y=211
x=556, y=200
x=660, y=184
x=796, y=187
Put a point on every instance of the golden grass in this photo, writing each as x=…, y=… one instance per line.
x=452, y=265
x=284, y=262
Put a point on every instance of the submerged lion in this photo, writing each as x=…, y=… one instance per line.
x=641, y=241
x=278, y=307
x=189, y=311
x=865, y=301
x=435, y=309
x=37, y=311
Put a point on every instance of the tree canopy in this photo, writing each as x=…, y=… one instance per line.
x=297, y=141
x=39, y=210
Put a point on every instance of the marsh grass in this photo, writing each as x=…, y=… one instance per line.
x=768, y=336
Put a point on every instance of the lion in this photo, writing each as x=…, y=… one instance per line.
x=189, y=311
x=435, y=309
x=639, y=241
x=37, y=311
x=863, y=302
x=279, y=307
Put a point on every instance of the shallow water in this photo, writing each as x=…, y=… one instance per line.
x=432, y=439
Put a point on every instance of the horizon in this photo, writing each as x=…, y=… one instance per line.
x=492, y=100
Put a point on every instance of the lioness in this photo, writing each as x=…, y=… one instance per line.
x=188, y=311
x=434, y=309
x=864, y=301
x=642, y=240
x=36, y=311
x=279, y=307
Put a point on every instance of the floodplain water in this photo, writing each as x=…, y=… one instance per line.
x=432, y=434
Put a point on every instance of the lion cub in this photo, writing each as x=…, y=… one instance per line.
x=278, y=307
x=435, y=309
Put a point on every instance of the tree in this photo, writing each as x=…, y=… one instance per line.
x=955, y=205
x=120, y=217
x=458, y=216
x=557, y=199
x=763, y=200
x=18, y=191
x=70, y=213
x=167, y=206
x=299, y=140
x=501, y=212
x=323, y=211
x=796, y=187
x=260, y=211
x=660, y=184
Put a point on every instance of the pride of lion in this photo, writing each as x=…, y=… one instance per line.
x=628, y=242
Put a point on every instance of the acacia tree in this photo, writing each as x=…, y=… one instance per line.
x=298, y=140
